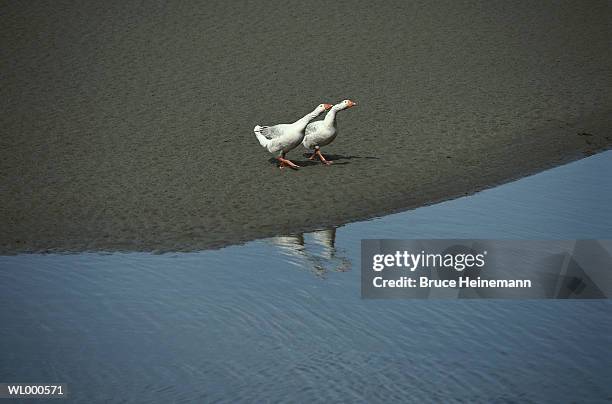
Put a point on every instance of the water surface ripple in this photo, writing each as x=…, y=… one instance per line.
x=282, y=320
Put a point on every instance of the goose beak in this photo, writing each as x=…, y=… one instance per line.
x=352, y=104
x=327, y=106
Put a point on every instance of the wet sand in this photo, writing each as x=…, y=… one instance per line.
x=128, y=125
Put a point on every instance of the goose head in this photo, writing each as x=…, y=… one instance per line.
x=346, y=104
x=320, y=108
x=325, y=107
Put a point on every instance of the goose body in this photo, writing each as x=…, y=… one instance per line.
x=282, y=138
x=322, y=133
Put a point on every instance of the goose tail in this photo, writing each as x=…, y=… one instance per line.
x=262, y=139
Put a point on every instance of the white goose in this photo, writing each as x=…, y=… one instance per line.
x=285, y=137
x=322, y=133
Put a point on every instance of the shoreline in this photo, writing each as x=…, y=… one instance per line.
x=102, y=249
x=129, y=128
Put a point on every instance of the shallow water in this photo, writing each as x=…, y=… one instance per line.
x=282, y=320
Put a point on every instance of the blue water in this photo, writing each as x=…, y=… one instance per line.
x=282, y=320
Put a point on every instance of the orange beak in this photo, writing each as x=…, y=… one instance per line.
x=327, y=106
x=351, y=103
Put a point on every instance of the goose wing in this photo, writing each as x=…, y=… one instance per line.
x=272, y=132
x=317, y=134
x=313, y=128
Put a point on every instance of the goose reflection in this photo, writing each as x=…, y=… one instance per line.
x=315, y=251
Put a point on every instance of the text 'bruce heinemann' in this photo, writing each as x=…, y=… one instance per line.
x=458, y=262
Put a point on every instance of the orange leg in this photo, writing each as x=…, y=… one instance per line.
x=286, y=163
x=318, y=153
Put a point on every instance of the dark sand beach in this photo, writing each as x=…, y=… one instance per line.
x=128, y=125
